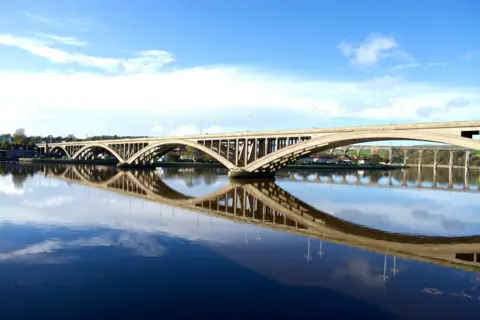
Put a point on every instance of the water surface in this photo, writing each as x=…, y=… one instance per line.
x=85, y=241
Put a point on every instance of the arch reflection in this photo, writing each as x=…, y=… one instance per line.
x=265, y=204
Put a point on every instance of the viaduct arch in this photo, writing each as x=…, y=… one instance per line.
x=283, y=157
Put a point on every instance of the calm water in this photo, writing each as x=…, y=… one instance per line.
x=91, y=242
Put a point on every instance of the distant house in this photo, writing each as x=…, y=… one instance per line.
x=307, y=160
x=325, y=158
x=345, y=161
x=367, y=162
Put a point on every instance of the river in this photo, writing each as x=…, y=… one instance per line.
x=94, y=242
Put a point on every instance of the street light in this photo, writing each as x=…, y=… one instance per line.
x=385, y=277
x=320, y=253
x=308, y=257
x=394, y=269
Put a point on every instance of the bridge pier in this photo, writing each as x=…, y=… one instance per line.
x=241, y=174
x=405, y=157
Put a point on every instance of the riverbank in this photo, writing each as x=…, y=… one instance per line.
x=67, y=161
x=310, y=167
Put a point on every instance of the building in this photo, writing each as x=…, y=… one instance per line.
x=325, y=158
x=367, y=162
x=307, y=160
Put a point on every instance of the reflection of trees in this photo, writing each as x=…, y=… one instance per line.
x=19, y=180
x=3, y=169
x=191, y=180
x=20, y=175
x=375, y=176
x=210, y=179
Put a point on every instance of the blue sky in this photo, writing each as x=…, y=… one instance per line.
x=181, y=67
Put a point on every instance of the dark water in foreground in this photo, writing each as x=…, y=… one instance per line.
x=90, y=242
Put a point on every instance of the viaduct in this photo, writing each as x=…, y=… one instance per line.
x=260, y=154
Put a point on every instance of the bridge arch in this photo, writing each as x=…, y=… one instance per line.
x=474, y=159
x=384, y=153
x=100, y=146
x=164, y=146
x=61, y=149
x=283, y=157
x=352, y=151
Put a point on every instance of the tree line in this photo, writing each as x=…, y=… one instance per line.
x=19, y=139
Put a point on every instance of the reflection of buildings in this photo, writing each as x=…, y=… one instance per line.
x=267, y=205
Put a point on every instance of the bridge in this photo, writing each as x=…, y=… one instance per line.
x=258, y=154
x=267, y=205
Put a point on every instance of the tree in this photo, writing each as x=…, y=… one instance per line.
x=172, y=156
x=19, y=136
x=4, y=144
x=209, y=158
x=71, y=137
x=189, y=153
x=375, y=158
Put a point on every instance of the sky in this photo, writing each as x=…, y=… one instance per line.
x=183, y=67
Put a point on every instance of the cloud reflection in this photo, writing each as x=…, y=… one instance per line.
x=142, y=245
x=360, y=271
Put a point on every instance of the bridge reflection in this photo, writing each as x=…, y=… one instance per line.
x=265, y=204
x=421, y=178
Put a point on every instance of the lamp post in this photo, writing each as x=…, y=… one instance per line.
x=308, y=257
x=385, y=277
x=394, y=269
x=320, y=253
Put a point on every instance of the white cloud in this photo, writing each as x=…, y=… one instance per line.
x=42, y=19
x=219, y=91
x=405, y=66
x=158, y=129
x=371, y=50
x=146, y=61
x=470, y=54
x=77, y=23
x=380, y=84
x=184, y=130
x=140, y=89
x=65, y=40
x=416, y=65
x=213, y=129
x=437, y=64
x=46, y=116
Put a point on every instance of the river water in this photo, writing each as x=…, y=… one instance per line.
x=92, y=242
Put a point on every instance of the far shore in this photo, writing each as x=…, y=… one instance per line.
x=218, y=165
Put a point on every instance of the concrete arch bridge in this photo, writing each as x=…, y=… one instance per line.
x=267, y=205
x=255, y=154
